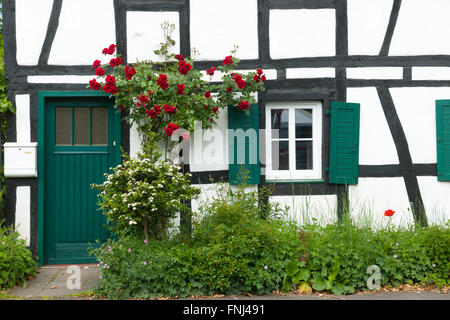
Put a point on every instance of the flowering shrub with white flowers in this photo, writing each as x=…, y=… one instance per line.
x=142, y=195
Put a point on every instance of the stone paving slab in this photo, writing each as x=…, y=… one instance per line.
x=53, y=281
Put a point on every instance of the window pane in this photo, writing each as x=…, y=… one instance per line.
x=63, y=124
x=99, y=126
x=303, y=152
x=280, y=155
x=81, y=125
x=303, y=123
x=280, y=121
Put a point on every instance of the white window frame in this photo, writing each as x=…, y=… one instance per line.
x=292, y=173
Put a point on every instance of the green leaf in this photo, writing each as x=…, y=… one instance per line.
x=338, y=289
x=287, y=284
x=302, y=275
x=304, y=287
x=292, y=268
x=319, y=285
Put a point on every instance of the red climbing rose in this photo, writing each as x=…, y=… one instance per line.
x=170, y=128
x=162, y=81
x=184, y=67
x=180, y=88
x=228, y=60
x=99, y=72
x=243, y=105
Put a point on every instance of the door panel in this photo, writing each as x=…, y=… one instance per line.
x=80, y=148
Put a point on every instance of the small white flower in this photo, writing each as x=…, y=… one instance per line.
x=132, y=222
x=395, y=256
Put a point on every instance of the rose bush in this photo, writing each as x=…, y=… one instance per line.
x=163, y=97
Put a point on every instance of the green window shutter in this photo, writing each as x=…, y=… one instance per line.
x=243, y=144
x=443, y=139
x=344, y=143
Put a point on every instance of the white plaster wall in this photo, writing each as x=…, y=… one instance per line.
x=23, y=213
x=61, y=79
x=302, y=33
x=416, y=108
x=216, y=26
x=309, y=208
x=371, y=197
x=271, y=74
x=85, y=28
x=145, y=35
x=367, y=24
x=23, y=118
x=430, y=73
x=421, y=28
x=375, y=73
x=292, y=73
x=435, y=196
x=376, y=145
x=208, y=192
x=31, y=26
x=135, y=141
x=212, y=153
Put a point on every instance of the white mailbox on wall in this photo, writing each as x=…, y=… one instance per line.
x=20, y=159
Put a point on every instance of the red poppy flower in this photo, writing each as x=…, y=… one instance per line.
x=256, y=78
x=215, y=109
x=179, y=57
x=259, y=71
x=389, y=213
x=229, y=89
x=120, y=107
x=207, y=94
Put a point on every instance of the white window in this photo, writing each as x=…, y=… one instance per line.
x=293, y=140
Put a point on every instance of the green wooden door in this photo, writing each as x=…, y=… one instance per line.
x=82, y=141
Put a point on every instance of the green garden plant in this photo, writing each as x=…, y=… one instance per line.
x=16, y=261
x=143, y=195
